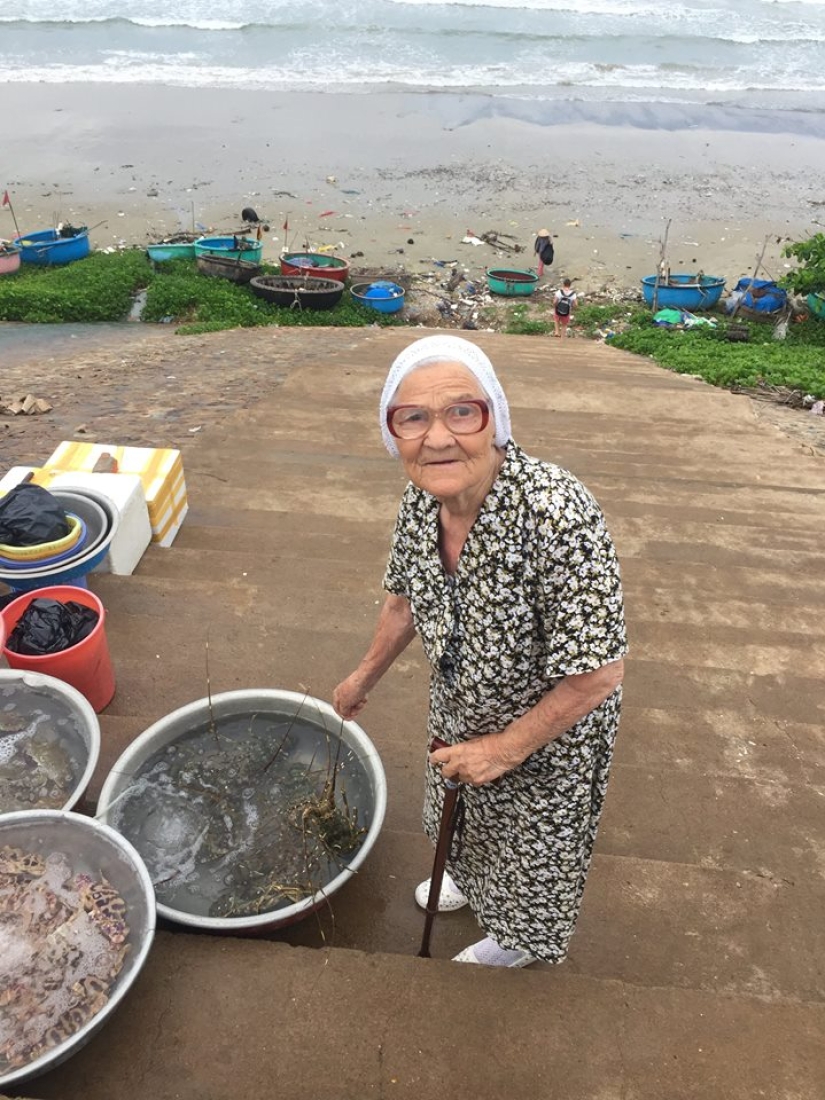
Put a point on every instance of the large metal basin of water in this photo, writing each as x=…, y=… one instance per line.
x=95, y=849
x=264, y=703
x=88, y=727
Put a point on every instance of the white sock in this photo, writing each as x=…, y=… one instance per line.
x=488, y=953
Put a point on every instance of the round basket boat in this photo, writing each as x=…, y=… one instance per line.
x=235, y=247
x=315, y=263
x=816, y=304
x=50, y=247
x=383, y=295
x=206, y=851
x=682, y=291
x=90, y=849
x=237, y=271
x=9, y=257
x=511, y=283
x=298, y=292
x=163, y=251
x=52, y=745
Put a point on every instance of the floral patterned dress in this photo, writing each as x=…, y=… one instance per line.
x=536, y=597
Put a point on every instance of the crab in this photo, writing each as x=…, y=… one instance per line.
x=12, y=722
x=51, y=761
x=92, y=991
x=16, y=862
x=104, y=905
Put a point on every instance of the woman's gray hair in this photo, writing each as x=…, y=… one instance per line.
x=446, y=349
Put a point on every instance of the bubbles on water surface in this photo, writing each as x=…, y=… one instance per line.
x=42, y=750
x=227, y=817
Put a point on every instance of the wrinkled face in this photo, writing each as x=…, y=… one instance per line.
x=446, y=465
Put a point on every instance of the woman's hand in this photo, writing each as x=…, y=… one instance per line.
x=350, y=697
x=393, y=633
x=476, y=762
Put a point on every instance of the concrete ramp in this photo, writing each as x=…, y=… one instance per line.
x=697, y=969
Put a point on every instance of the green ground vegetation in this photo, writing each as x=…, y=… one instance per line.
x=797, y=362
x=99, y=288
x=103, y=287
x=809, y=276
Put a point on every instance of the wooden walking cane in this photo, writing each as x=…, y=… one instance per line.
x=442, y=847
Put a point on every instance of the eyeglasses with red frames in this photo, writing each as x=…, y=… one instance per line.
x=459, y=418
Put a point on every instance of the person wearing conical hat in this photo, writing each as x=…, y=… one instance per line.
x=543, y=248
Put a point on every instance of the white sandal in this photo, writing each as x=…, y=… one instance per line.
x=488, y=953
x=449, y=899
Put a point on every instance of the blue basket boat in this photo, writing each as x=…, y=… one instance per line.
x=691, y=292
x=382, y=295
x=235, y=247
x=54, y=246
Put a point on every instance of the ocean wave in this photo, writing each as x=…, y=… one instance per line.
x=801, y=36
x=147, y=68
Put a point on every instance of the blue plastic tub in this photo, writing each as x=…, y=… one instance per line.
x=74, y=573
x=382, y=295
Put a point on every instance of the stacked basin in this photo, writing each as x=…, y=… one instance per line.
x=98, y=518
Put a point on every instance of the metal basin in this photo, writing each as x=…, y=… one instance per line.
x=262, y=703
x=87, y=725
x=94, y=849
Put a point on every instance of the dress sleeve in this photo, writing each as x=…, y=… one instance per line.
x=580, y=587
x=396, y=575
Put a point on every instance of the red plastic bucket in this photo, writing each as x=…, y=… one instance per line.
x=87, y=666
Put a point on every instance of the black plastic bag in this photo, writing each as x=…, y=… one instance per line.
x=30, y=515
x=49, y=626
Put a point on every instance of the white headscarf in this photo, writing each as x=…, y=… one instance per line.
x=447, y=349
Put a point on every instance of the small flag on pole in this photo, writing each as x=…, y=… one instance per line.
x=286, y=225
x=6, y=199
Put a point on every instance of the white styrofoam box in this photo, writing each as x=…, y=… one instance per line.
x=14, y=476
x=134, y=532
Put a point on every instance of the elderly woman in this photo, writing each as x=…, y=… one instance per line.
x=504, y=567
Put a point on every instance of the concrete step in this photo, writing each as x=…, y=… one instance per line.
x=213, y=1018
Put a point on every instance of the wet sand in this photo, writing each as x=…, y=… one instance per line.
x=402, y=178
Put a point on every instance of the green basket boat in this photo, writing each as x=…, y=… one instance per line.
x=816, y=304
x=511, y=282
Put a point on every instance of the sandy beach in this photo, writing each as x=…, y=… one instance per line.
x=398, y=179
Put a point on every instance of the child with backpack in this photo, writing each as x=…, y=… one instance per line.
x=564, y=306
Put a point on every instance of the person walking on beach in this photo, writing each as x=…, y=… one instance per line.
x=543, y=249
x=504, y=566
x=564, y=306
